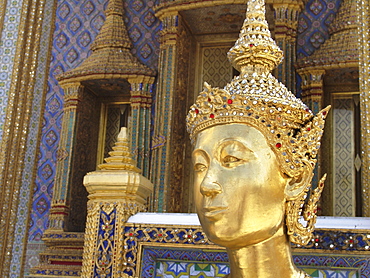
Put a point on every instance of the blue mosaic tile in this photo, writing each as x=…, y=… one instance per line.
x=9, y=37
x=313, y=25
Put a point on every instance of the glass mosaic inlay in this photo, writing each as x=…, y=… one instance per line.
x=8, y=46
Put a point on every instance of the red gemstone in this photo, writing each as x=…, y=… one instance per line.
x=251, y=45
x=189, y=236
x=130, y=234
x=308, y=129
x=324, y=113
x=229, y=101
x=278, y=145
x=159, y=235
x=351, y=241
x=196, y=111
x=212, y=116
x=209, y=100
x=316, y=239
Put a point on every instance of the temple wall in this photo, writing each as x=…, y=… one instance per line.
x=70, y=45
x=66, y=32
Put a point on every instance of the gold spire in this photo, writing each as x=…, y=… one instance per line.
x=111, y=53
x=113, y=33
x=255, y=49
x=120, y=158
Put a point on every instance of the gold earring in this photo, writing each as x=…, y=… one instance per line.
x=298, y=233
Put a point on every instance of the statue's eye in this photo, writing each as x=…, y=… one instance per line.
x=231, y=161
x=199, y=167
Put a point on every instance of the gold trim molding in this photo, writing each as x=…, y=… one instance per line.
x=172, y=7
x=18, y=116
x=364, y=22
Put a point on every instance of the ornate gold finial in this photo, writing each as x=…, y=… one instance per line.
x=255, y=49
x=120, y=158
x=257, y=98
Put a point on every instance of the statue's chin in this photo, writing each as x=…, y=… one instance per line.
x=227, y=239
x=239, y=238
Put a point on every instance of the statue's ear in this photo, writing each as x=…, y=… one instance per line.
x=297, y=184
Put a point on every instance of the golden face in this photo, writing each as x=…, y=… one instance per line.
x=239, y=188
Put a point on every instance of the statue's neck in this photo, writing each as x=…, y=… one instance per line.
x=268, y=259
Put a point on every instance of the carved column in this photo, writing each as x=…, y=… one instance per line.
x=116, y=192
x=59, y=210
x=286, y=22
x=164, y=102
x=170, y=135
x=141, y=102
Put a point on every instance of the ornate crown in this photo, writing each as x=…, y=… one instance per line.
x=258, y=99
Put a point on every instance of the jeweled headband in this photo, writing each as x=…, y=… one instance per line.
x=256, y=98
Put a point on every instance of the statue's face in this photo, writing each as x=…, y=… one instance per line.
x=239, y=188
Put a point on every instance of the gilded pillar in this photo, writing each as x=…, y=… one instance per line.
x=141, y=103
x=286, y=22
x=160, y=171
x=312, y=88
x=59, y=210
x=21, y=26
x=116, y=192
x=364, y=37
x=169, y=141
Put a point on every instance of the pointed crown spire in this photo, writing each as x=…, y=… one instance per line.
x=255, y=49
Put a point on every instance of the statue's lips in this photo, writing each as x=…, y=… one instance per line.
x=214, y=212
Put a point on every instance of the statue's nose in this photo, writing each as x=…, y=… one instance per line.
x=210, y=189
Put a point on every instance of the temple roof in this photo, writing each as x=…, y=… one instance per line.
x=111, y=56
x=341, y=49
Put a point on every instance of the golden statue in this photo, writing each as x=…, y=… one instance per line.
x=255, y=149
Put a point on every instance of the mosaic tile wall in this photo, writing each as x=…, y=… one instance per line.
x=76, y=25
x=75, y=29
x=313, y=25
x=170, y=269
x=172, y=262
x=8, y=43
